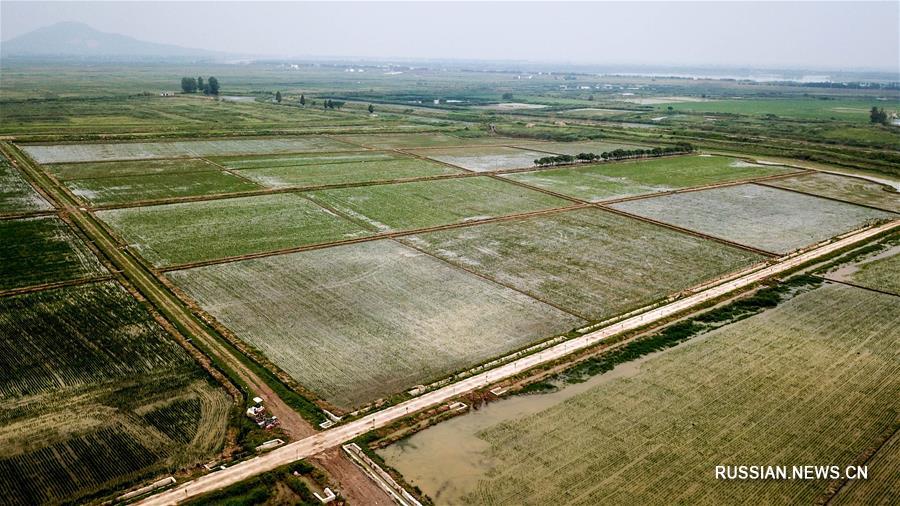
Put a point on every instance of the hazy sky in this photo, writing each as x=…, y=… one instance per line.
x=825, y=35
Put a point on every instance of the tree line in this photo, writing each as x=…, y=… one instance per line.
x=616, y=154
x=877, y=115
x=327, y=104
x=191, y=85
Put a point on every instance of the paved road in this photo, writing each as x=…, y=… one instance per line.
x=343, y=433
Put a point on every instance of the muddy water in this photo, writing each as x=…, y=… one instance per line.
x=447, y=460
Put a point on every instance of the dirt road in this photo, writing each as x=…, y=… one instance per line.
x=353, y=484
x=323, y=441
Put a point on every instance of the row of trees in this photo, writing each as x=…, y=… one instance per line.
x=329, y=104
x=616, y=154
x=191, y=85
x=877, y=115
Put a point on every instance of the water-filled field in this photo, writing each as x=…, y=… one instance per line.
x=191, y=232
x=771, y=219
x=608, y=181
x=850, y=189
x=485, y=158
x=16, y=195
x=91, y=170
x=429, y=203
x=340, y=170
x=61, y=153
x=589, y=261
x=358, y=322
x=573, y=148
x=128, y=189
x=417, y=140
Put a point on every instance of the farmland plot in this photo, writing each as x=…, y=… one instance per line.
x=883, y=485
x=592, y=112
x=62, y=153
x=429, y=203
x=608, y=181
x=847, y=109
x=90, y=382
x=573, y=148
x=654, y=432
x=43, y=352
x=152, y=114
x=509, y=106
x=485, y=158
x=41, y=250
x=92, y=449
x=423, y=140
x=90, y=170
x=122, y=190
x=16, y=195
x=345, y=172
x=774, y=220
x=880, y=271
x=358, y=322
x=844, y=188
x=191, y=232
x=299, y=159
x=588, y=261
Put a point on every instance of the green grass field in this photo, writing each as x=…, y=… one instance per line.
x=190, y=232
x=880, y=273
x=97, y=397
x=165, y=114
x=849, y=109
x=352, y=172
x=16, y=195
x=91, y=170
x=773, y=220
x=844, y=188
x=811, y=381
x=41, y=250
x=63, y=153
x=429, y=203
x=485, y=158
x=608, y=181
x=588, y=261
x=358, y=322
x=872, y=134
x=122, y=190
x=300, y=159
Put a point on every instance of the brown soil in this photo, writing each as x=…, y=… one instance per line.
x=353, y=484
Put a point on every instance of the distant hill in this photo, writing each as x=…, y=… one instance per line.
x=79, y=40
